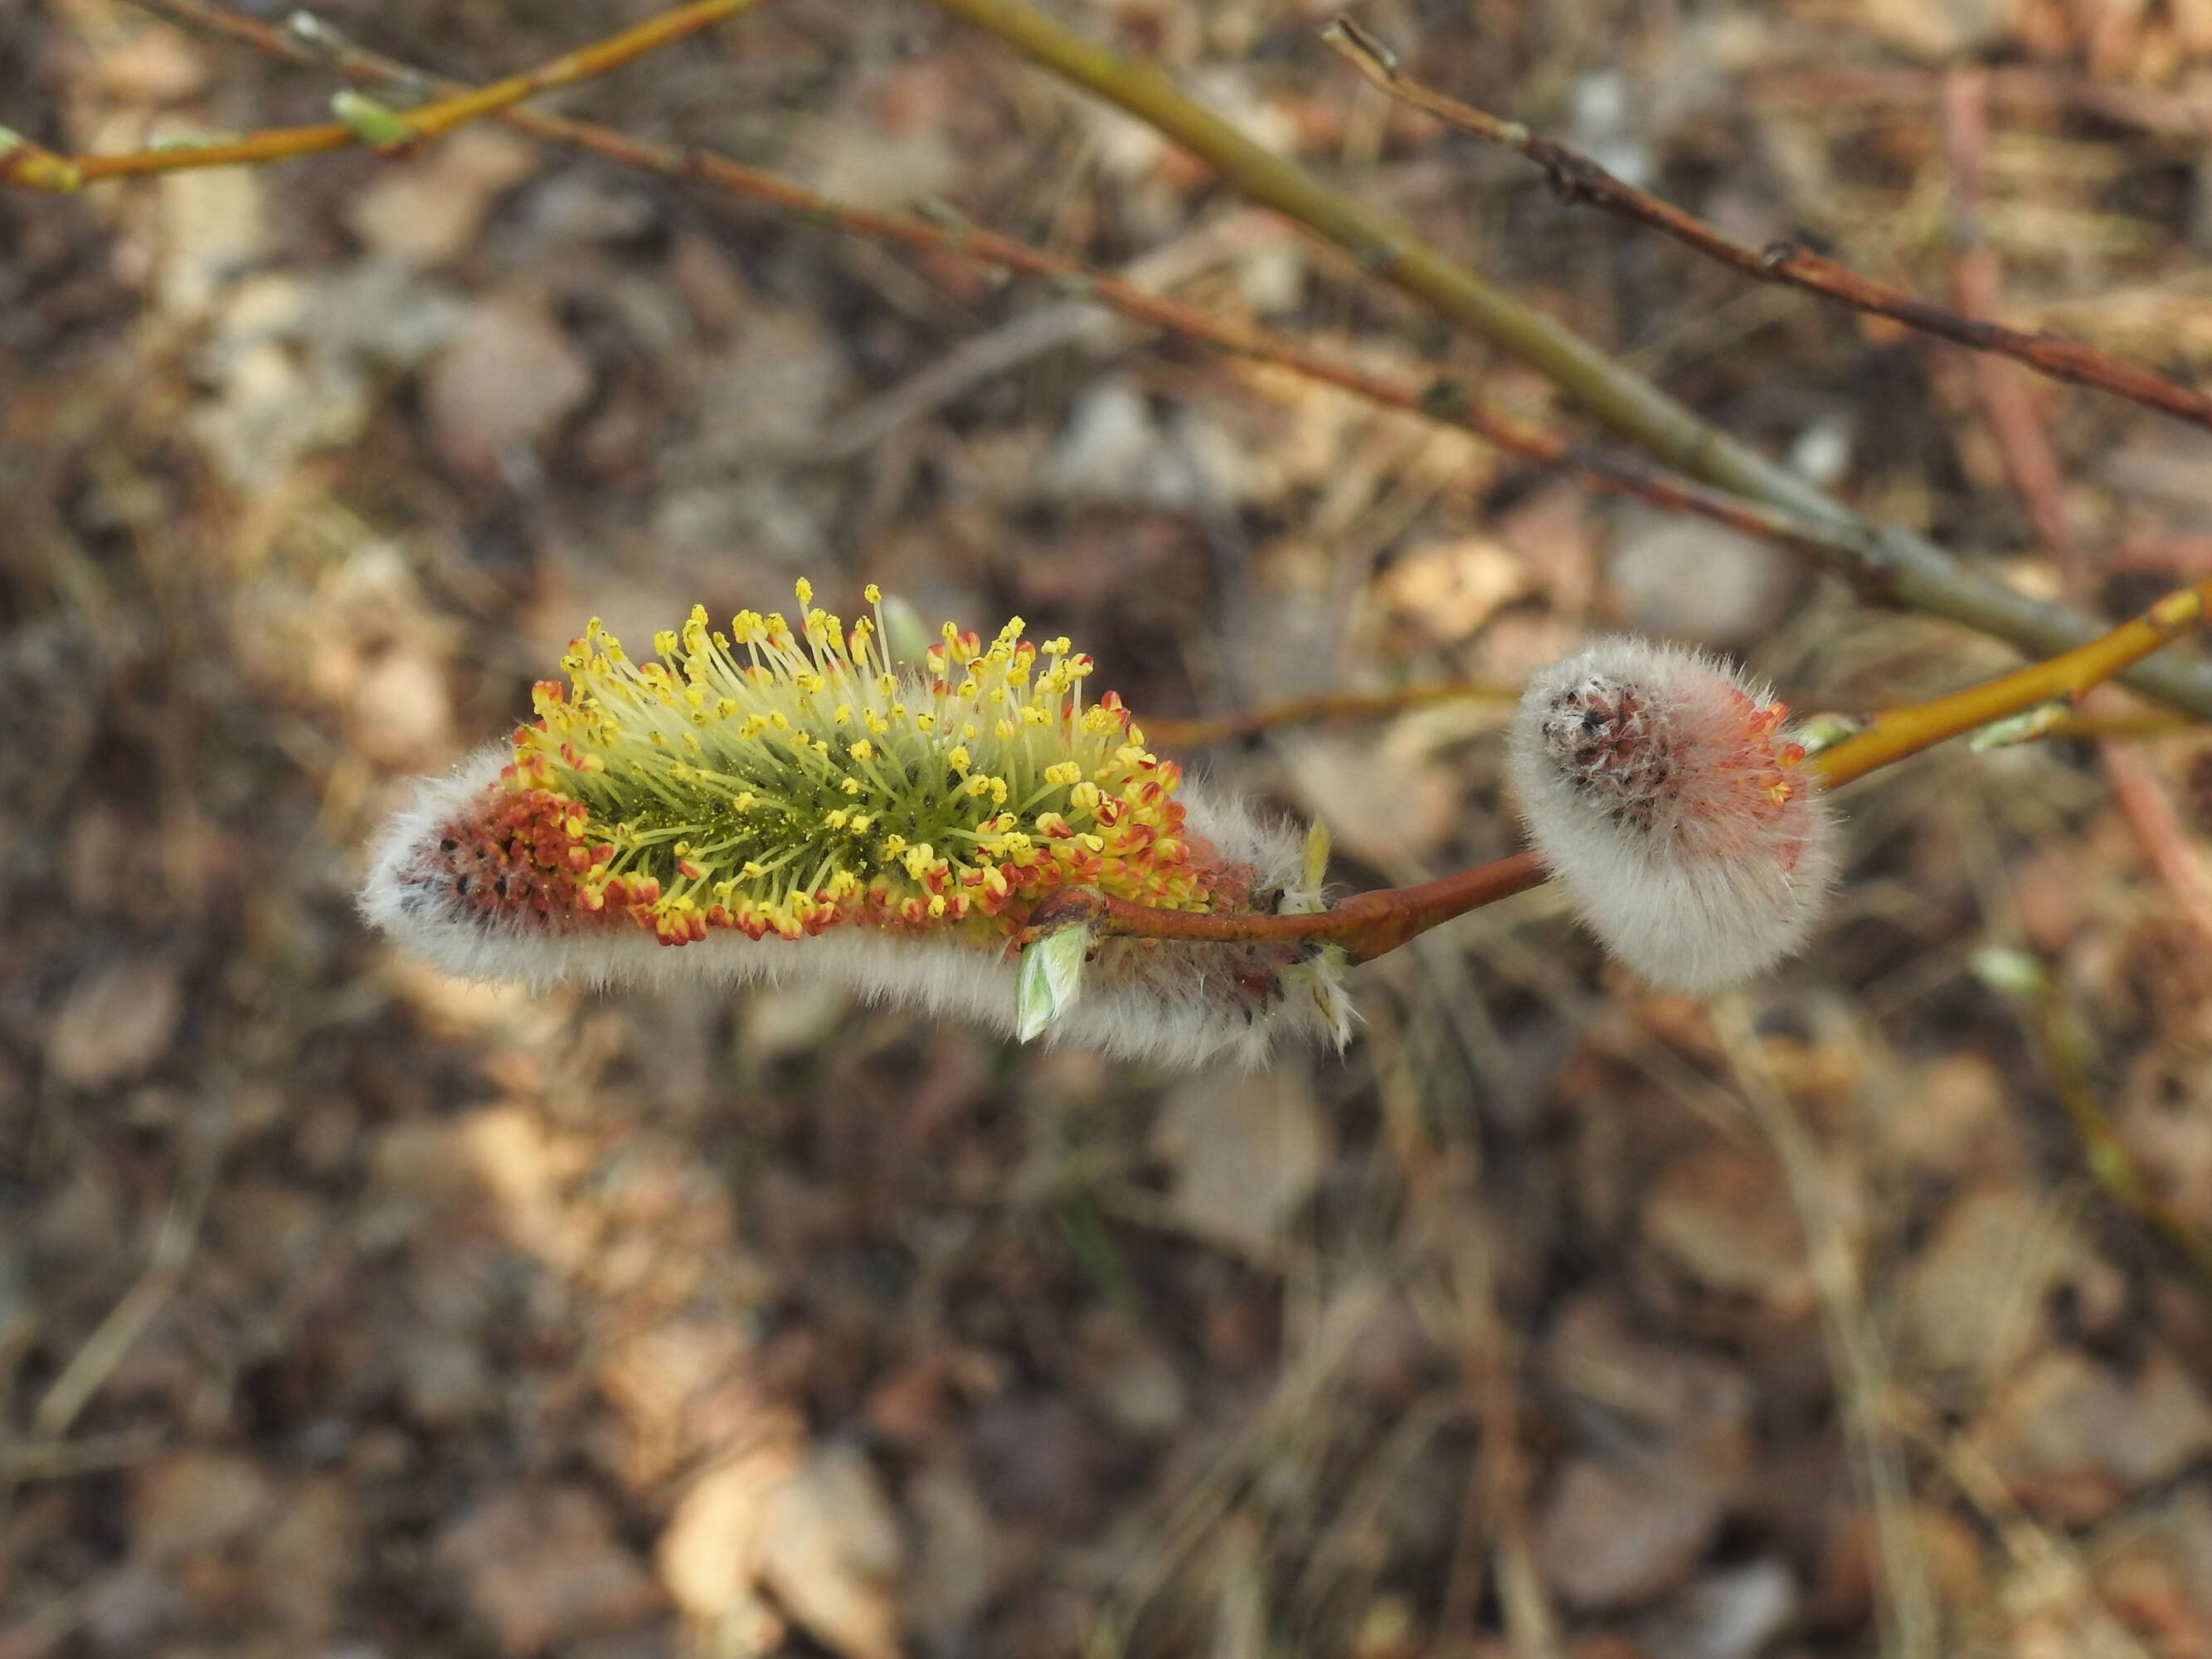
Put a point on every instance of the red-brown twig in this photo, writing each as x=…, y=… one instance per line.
x=1575, y=177
x=1365, y=925
x=27, y=165
x=2033, y=468
x=1369, y=924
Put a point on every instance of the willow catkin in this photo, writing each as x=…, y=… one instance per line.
x=774, y=803
x=1660, y=788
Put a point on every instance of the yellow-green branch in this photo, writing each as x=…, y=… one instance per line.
x=31, y=168
x=1369, y=924
x=1901, y=731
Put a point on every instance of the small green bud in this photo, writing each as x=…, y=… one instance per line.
x=375, y=125
x=1826, y=730
x=2008, y=971
x=2026, y=727
x=1051, y=980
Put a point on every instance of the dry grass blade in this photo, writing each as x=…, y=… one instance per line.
x=1911, y=1625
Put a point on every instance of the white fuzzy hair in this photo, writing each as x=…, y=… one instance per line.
x=1660, y=895
x=1170, y=1002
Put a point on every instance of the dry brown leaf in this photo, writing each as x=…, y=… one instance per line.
x=116, y=1023
x=539, y=1565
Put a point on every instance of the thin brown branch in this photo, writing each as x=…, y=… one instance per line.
x=1753, y=494
x=1365, y=925
x=1575, y=177
x=1446, y=401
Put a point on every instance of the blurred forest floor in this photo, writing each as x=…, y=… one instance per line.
x=349, y=1311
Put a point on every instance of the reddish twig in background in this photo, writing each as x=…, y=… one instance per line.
x=27, y=165
x=2033, y=468
x=1575, y=177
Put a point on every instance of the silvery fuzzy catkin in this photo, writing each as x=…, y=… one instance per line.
x=779, y=804
x=1658, y=787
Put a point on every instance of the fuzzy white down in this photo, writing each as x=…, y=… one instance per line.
x=1171, y=1004
x=1680, y=915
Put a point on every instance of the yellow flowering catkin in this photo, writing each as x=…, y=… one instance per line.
x=829, y=816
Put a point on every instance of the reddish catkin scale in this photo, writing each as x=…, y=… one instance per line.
x=1681, y=820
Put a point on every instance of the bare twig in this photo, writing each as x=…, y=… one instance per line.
x=1770, y=501
x=1575, y=177
x=1365, y=925
x=989, y=355
x=1907, y=568
x=385, y=129
x=1448, y=402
